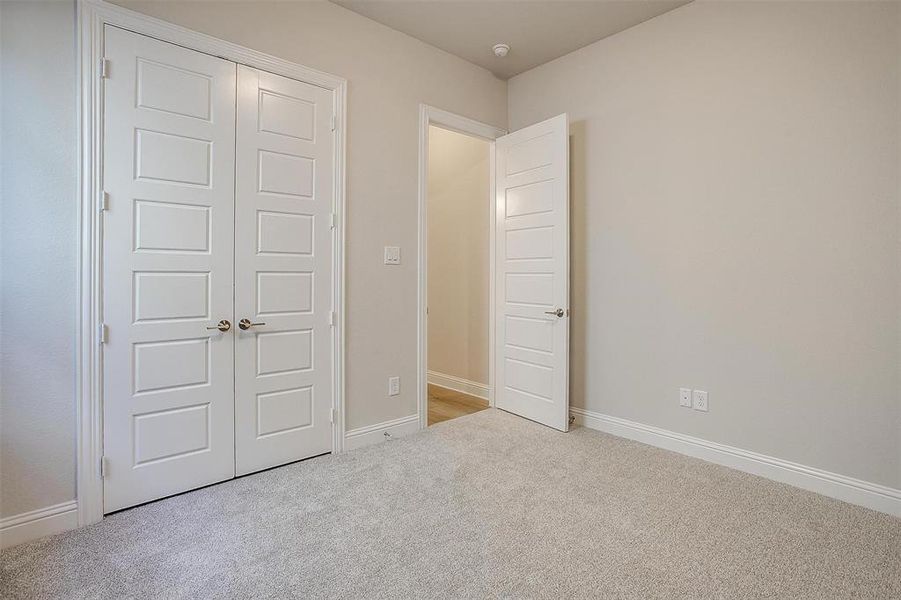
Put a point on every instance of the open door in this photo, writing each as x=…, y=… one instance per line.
x=532, y=273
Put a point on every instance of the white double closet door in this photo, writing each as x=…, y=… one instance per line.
x=219, y=185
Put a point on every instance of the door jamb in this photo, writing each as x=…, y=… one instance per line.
x=92, y=16
x=429, y=115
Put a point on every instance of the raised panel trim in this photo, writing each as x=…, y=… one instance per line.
x=284, y=274
x=514, y=275
x=170, y=388
x=137, y=276
x=136, y=233
x=263, y=335
x=309, y=164
x=146, y=61
x=544, y=322
x=267, y=92
x=207, y=148
x=290, y=428
x=529, y=237
x=137, y=462
x=524, y=146
x=520, y=189
x=281, y=214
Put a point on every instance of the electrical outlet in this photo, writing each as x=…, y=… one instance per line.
x=699, y=400
x=392, y=255
x=685, y=397
x=393, y=386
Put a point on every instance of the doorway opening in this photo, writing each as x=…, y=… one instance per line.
x=458, y=274
x=528, y=267
x=456, y=323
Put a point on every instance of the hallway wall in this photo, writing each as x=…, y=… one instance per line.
x=458, y=269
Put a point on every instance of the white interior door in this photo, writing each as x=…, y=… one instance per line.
x=283, y=270
x=168, y=152
x=532, y=273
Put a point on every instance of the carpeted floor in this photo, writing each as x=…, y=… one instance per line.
x=487, y=505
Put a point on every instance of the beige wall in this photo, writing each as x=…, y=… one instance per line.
x=735, y=188
x=37, y=255
x=458, y=214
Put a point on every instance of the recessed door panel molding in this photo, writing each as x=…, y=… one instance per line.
x=171, y=296
x=286, y=174
x=284, y=293
x=284, y=411
x=170, y=365
x=168, y=259
x=170, y=434
x=529, y=199
x=288, y=116
x=174, y=159
x=529, y=333
x=284, y=233
x=532, y=273
x=174, y=90
x=283, y=269
x=171, y=227
x=283, y=352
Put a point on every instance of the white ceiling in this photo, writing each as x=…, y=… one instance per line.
x=536, y=30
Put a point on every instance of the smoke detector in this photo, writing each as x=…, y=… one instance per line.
x=500, y=50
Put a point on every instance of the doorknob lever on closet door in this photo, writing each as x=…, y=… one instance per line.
x=245, y=324
x=222, y=325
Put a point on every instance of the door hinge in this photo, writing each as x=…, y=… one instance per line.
x=103, y=202
x=332, y=318
x=333, y=222
x=102, y=333
x=104, y=68
x=104, y=467
x=334, y=122
x=334, y=417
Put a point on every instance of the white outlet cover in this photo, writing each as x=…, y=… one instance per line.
x=393, y=386
x=685, y=397
x=699, y=400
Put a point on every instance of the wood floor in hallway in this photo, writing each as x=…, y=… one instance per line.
x=445, y=404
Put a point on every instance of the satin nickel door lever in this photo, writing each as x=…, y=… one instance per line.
x=559, y=312
x=245, y=324
x=222, y=325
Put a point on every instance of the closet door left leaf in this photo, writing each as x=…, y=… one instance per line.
x=168, y=258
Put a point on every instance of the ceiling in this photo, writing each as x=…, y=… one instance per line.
x=537, y=31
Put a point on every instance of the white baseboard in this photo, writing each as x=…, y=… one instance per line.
x=373, y=434
x=863, y=493
x=25, y=527
x=458, y=384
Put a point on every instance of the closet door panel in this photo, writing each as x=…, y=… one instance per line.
x=283, y=270
x=168, y=259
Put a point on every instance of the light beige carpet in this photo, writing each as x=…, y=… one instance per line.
x=488, y=505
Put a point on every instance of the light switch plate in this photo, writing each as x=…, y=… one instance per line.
x=699, y=400
x=685, y=397
x=392, y=255
x=393, y=386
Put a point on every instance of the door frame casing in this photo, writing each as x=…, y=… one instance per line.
x=429, y=115
x=92, y=17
